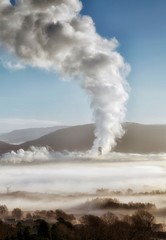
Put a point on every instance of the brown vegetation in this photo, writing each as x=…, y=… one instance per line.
x=139, y=226
x=109, y=203
x=58, y=225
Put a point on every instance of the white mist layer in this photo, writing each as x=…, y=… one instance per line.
x=73, y=177
x=53, y=35
x=39, y=169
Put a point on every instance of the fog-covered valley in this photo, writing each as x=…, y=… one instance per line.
x=38, y=179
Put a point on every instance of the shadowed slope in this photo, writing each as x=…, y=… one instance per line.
x=141, y=138
x=77, y=138
x=5, y=147
x=137, y=139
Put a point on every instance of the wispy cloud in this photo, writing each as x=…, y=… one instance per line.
x=10, y=62
x=13, y=66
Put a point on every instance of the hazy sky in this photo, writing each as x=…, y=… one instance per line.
x=28, y=96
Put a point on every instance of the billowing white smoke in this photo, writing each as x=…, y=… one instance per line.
x=43, y=155
x=21, y=156
x=52, y=34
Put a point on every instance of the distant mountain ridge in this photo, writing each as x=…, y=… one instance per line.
x=24, y=135
x=138, y=138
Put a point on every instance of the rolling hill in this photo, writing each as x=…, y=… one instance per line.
x=77, y=138
x=138, y=138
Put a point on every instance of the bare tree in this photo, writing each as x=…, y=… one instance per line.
x=143, y=224
x=3, y=211
x=17, y=213
x=109, y=218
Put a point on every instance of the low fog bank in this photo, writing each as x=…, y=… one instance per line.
x=48, y=171
x=30, y=179
x=47, y=155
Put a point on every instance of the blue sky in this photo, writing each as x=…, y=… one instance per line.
x=40, y=98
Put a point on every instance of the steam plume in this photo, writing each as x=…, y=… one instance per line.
x=52, y=34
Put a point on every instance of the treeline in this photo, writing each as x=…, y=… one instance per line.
x=94, y=204
x=139, y=226
x=129, y=191
x=109, y=203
